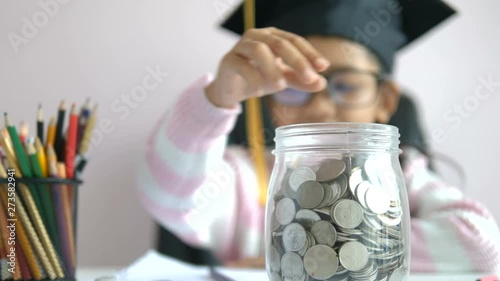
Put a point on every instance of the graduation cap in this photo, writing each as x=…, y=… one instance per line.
x=383, y=26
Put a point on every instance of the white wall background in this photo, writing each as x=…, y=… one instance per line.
x=101, y=49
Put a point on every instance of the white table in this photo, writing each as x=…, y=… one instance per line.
x=90, y=273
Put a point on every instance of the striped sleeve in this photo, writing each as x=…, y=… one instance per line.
x=450, y=233
x=184, y=181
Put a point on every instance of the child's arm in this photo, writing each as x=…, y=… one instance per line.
x=184, y=182
x=449, y=232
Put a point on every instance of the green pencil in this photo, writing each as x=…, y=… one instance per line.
x=24, y=163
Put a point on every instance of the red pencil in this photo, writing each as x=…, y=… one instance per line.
x=71, y=142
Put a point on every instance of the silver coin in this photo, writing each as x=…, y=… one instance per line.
x=307, y=218
x=353, y=256
x=387, y=220
x=371, y=223
x=291, y=265
x=285, y=211
x=287, y=189
x=330, y=169
x=327, y=197
x=347, y=213
x=275, y=276
x=336, y=192
x=321, y=262
x=310, y=194
x=343, y=184
x=324, y=233
x=360, y=192
x=274, y=259
x=294, y=237
x=355, y=178
x=377, y=200
x=301, y=175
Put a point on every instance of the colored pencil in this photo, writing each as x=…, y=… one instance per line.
x=38, y=242
x=42, y=158
x=26, y=246
x=59, y=141
x=82, y=120
x=71, y=143
x=40, y=123
x=87, y=134
x=45, y=196
x=9, y=154
x=18, y=148
x=61, y=170
x=23, y=132
x=51, y=132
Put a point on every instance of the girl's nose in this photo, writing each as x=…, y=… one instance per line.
x=321, y=109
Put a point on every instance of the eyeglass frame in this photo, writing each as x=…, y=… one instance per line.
x=380, y=77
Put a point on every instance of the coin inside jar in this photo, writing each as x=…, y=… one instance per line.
x=355, y=178
x=291, y=265
x=353, y=255
x=285, y=211
x=299, y=176
x=377, y=200
x=294, y=237
x=321, y=262
x=274, y=259
x=310, y=194
x=330, y=169
x=324, y=233
x=307, y=218
x=347, y=213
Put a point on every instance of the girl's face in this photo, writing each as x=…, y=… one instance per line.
x=355, y=92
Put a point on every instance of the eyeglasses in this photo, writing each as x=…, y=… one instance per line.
x=348, y=87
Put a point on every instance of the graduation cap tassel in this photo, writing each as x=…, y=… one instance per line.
x=254, y=122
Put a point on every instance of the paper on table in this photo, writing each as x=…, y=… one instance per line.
x=155, y=267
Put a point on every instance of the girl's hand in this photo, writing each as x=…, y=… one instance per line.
x=266, y=61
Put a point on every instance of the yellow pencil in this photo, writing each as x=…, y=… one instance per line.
x=51, y=132
x=40, y=153
x=8, y=142
x=10, y=155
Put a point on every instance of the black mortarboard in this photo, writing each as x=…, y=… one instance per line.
x=384, y=26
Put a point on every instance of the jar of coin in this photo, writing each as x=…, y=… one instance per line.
x=338, y=207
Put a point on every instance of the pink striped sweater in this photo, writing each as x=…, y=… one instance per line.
x=196, y=186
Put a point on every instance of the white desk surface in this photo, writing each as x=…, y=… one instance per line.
x=90, y=273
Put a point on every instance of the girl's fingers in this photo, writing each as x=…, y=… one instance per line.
x=314, y=57
x=260, y=55
x=249, y=73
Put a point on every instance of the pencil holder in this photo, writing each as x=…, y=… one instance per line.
x=38, y=228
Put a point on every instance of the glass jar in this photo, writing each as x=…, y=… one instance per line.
x=337, y=206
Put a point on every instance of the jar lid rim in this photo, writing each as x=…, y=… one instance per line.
x=341, y=127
